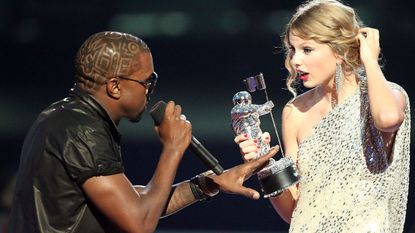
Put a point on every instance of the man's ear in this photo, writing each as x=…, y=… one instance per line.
x=113, y=87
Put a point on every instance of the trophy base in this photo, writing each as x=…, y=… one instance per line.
x=278, y=176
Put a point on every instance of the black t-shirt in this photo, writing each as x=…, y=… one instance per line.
x=71, y=141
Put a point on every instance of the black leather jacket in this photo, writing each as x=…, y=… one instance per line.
x=71, y=141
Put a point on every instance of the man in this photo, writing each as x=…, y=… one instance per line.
x=71, y=175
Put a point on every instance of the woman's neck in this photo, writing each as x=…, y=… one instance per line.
x=334, y=97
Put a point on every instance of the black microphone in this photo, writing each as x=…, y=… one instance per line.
x=157, y=113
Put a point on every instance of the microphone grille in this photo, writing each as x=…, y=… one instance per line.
x=157, y=111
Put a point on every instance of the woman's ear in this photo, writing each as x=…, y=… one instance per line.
x=339, y=59
x=113, y=87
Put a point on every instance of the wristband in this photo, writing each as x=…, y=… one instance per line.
x=199, y=187
x=203, y=185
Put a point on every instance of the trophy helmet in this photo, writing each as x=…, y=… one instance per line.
x=242, y=97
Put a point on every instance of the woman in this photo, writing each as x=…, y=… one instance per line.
x=349, y=134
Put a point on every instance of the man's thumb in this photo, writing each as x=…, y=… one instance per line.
x=250, y=193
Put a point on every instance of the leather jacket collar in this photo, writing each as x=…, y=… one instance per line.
x=75, y=91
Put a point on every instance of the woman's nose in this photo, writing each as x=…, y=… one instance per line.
x=296, y=60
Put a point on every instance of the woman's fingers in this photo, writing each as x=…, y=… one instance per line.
x=249, y=156
x=240, y=138
x=266, y=138
x=250, y=147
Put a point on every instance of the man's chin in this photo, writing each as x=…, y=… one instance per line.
x=135, y=120
x=138, y=118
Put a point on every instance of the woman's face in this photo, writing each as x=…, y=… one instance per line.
x=315, y=62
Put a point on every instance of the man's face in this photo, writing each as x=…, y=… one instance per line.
x=137, y=86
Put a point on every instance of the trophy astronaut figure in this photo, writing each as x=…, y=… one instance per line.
x=245, y=118
x=276, y=175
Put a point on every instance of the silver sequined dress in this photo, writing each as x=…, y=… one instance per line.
x=338, y=193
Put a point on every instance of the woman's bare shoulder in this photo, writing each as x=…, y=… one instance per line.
x=300, y=104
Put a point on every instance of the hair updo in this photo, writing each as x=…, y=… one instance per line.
x=329, y=22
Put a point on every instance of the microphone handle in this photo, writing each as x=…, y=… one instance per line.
x=198, y=149
x=157, y=113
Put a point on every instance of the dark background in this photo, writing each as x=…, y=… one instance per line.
x=202, y=50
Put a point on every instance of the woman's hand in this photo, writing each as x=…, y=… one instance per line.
x=249, y=147
x=369, y=44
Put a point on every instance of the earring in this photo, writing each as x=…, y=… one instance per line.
x=339, y=77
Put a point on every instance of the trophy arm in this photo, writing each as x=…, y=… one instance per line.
x=265, y=108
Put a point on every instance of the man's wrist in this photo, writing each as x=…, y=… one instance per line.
x=208, y=186
x=203, y=187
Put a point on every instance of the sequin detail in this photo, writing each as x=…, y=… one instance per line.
x=339, y=192
x=373, y=144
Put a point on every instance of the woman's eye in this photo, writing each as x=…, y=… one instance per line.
x=307, y=50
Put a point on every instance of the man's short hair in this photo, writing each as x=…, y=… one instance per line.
x=105, y=55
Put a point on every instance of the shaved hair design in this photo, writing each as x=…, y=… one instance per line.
x=105, y=55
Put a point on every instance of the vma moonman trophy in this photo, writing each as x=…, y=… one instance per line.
x=276, y=176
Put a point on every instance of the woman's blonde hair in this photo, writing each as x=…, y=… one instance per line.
x=329, y=22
